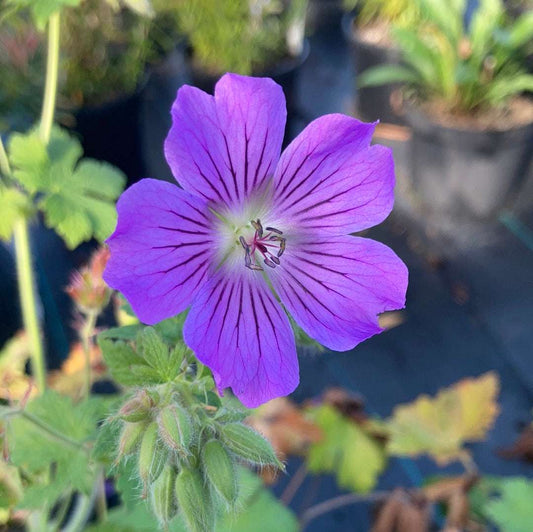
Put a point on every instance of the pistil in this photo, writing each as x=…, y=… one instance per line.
x=263, y=242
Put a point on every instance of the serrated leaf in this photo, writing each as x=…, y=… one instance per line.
x=120, y=358
x=35, y=449
x=440, y=426
x=512, y=511
x=13, y=205
x=152, y=348
x=42, y=9
x=345, y=450
x=77, y=198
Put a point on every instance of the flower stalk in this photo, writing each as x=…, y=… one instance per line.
x=86, y=334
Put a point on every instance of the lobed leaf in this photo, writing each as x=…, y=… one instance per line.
x=440, y=426
x=345, y=450
x=77, y=197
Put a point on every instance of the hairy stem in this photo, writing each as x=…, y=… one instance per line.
x=294, y=484
x=86, y=334
x=101, y=503
x=50, y=87
x=82, y=512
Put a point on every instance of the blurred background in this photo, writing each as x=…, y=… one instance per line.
x=450, y=82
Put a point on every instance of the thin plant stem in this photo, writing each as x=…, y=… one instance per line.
x=101, y=503
x=86, y=334
x=28, y=301
x=82, y=512
x=339, y=502
x=50, y=87
x=292, y=487
x=5, y=170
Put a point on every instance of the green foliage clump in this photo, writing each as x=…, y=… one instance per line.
x=466, y=69
x=105, y=52
x=185, y=441
x=400, y=12
x=237, y=35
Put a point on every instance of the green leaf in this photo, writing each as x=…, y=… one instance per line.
x=35, y=448
x=522, y=30
x=121, y=359
x=345, y=450
x=105, y=446
x=447, y=16
x=77, y=198
x=13, y=205
x=260, y=510
x=29, y=159
x=383, y=74
x=42, y=9
x=509, y=86
x=512, y=511
x=485, y=20
x=150, y=346
x=440, y=425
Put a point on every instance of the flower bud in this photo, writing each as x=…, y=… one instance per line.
x=163, y=499
x=152, y=455
x=130, y=438
x=176, y=429
x=249, y=444
x=87, y=287
x=195, y=501
x=220, y=470
x=137, y=408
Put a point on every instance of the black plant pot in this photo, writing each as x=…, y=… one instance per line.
x=372, y=103
x=467, y=174
x=111, y=132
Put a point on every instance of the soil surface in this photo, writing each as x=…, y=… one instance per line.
x=519, y=112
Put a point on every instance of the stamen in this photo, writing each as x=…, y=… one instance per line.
x=282, y=242
x=263, y=243
x=274, y=230
x=258, y=227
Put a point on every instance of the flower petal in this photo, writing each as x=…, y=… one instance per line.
x=161, y=249
x=331, y=180
x=238, y=329
x=335, y=289
x=224, y=147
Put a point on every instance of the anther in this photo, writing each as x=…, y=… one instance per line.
x=268, y=262
x=244, y=244
x=274, y=230
x=258, y=227
x=282, y=243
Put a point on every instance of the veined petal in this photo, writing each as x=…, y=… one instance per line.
x=224, y=147
x=161, y=249
x=238, y=329
x=335, y=289
x=331, y=180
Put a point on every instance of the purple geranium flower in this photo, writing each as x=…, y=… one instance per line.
x=251, y=234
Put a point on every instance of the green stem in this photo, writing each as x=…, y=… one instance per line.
x=26, y=287
x=50, y=87
x=101, y=503
x=87, y=332
x=4, y=162
x=28, y=301
x=51, y=431
x=81, y=514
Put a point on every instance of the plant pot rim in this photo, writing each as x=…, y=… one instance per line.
x=352, y=33
x=418, y=118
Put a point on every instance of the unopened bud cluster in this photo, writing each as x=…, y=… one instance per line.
x=188, y=445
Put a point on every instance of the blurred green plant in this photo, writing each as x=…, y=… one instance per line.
x=466, y=69
x=383, y=12
x=240, y=36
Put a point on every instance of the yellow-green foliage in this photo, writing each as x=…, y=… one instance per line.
x=399, y=12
